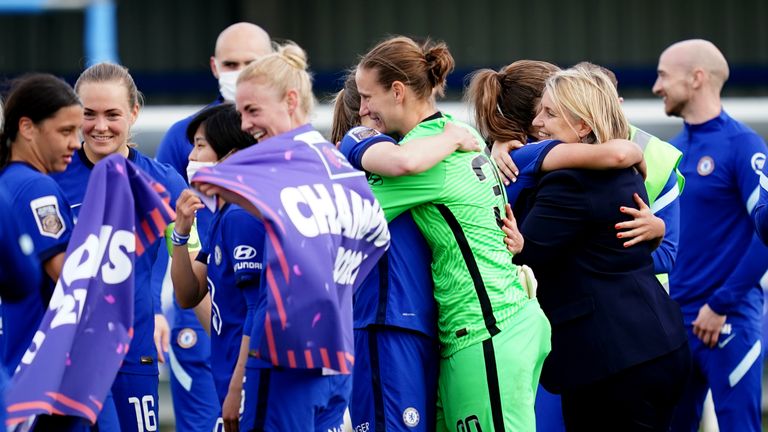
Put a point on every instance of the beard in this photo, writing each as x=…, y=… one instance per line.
x=675, y=108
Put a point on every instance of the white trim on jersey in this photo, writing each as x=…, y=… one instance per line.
x=764, y=181
x=741, y=369
x=753, y=198
x=182, y=376
x=666, y=199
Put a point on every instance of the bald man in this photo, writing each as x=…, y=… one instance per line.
x=195, y=401
x=236, y=47
x=716, y=278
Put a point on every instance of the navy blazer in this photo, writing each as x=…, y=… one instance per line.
x=607, y=309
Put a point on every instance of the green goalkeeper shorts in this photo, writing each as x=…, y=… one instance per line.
x=491, y=386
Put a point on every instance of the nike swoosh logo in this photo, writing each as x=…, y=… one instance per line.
x=722, y=344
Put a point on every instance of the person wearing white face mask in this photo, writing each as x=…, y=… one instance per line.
x=228, y=264
x=192, y=385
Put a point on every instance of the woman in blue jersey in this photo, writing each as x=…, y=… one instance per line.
x=111, y=103
x=20, y=270
x=394, y=382
x=39, y=137
x=274, y=98
x=617, y=339
x=229, y=264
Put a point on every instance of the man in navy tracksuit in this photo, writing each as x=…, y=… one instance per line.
x=192, y=387
x=720, y=261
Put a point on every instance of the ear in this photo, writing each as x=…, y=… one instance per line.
x=398, y=91
x=214, y=70
x=698, y=77
x=583, y=129
x=27, y=128
x=292, y=99
x=134, y=114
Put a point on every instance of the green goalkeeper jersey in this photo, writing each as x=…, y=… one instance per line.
x=458, y=205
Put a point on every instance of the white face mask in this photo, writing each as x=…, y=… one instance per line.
x=194, y=166
x=228, y=84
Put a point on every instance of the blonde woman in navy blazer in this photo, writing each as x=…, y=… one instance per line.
x=619, y=352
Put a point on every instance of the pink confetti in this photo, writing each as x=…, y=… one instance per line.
x=296, y=270
x=288, y=155
x=316, y=319
x=120, y=348
x=110, y=298
x=68, y=361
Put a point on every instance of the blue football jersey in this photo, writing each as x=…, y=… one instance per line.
x=528, y=159
x=142, y=355
x=234, y=255
x=42, y=211
x=20, y=271
x=720, y=260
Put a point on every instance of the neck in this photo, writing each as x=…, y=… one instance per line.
x=96, y=158
x=24, y=151
x=298, y=119
x=416, y=113
x=702, y=110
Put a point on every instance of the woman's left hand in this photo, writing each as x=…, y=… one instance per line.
x=514, y=239
x=643, y=227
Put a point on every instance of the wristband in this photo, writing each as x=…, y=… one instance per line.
x=178, y=239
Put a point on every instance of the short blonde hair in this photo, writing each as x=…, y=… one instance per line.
x=284, y=69
x=590, y=96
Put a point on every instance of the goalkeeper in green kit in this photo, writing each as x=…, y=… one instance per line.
x=493, y=337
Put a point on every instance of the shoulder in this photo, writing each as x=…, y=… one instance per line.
x=532, y=151
x=236, y=214
x=178, y=130
x=31, y=184
x=239, y=225
x=361, y=136
x=358, y=140
x=161, y=172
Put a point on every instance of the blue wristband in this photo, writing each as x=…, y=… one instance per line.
x=178, y=239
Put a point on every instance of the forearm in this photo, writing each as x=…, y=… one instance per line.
x=665, y=255
x=186, y=285
x=203, y=313
x=53, y=266
x=236, y=382
x=612, y=154
x=416, y=156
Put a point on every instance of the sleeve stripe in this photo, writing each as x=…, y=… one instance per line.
x=764, y=181
x=665, y=200
x=753, y=198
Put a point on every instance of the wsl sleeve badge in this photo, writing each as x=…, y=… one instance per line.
x=47, y=216
x=361, y=133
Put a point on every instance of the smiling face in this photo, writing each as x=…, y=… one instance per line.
x=673, y=84
x=376, y=102
x=201, y=148
x=553, y=124
x=264, y=113
x=57, y=138
x=108, y=118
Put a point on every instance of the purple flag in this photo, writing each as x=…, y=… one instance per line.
x=85, y=333
x=325, y=232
